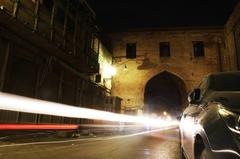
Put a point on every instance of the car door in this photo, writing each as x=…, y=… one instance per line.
x=189, y=121
x=188, y=128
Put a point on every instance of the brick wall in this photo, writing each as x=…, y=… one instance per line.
x=129, y=83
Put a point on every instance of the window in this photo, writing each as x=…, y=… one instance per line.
x=111, y=101
x=98, y=78
x=70, y=24
x=164, y=49
x=198, y=48
x=60, y=15
x=106, y=101
x=131, y=50
x=48, y=4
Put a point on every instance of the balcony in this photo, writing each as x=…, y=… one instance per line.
x=55, y=28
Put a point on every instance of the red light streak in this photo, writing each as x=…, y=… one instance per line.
x=37, y=127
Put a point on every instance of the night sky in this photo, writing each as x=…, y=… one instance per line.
x=115, y=15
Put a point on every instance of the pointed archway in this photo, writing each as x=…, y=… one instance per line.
x=165, y=92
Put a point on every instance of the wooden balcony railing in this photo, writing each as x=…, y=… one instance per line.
x=62, y=25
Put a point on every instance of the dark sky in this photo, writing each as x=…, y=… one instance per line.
x=128, y=14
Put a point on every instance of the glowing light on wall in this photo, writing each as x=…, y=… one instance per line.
x=29, y=105
x=108, y=71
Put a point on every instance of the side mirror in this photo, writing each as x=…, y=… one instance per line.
x=194, y=97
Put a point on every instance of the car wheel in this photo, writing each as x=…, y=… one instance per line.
x=203, y=154
x=182, y=156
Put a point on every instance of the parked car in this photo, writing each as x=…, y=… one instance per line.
x=210, y=125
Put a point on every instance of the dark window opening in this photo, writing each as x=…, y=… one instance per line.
x=164, y=49
x=48, y=4
x=131, y=50
x=63, y=2
x=98, y=78
x=73, y=6
x=70, y=24
x=111, y=101
x=198, y=48
x=60, y=16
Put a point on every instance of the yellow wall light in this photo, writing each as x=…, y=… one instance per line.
x=109, y=71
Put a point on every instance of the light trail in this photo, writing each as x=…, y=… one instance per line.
x=28, y=105
x=38, y=127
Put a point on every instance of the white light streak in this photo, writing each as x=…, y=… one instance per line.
x=28, y=105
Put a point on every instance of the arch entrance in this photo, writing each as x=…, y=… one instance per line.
x=164, y=92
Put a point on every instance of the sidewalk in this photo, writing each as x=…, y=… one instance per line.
x=48, y=136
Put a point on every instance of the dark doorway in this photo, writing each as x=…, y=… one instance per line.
x=164, y=92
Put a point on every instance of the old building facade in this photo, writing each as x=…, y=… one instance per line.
x=49, y=49
x=185, y=55
x=232, y=40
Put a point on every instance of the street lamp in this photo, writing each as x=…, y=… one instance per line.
x=165, y=113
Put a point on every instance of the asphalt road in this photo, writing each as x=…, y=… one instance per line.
x=157, y=145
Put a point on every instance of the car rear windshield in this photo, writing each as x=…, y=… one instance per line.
x=225, y=82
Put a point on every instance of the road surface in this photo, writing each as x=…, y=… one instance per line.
x=157, y=145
